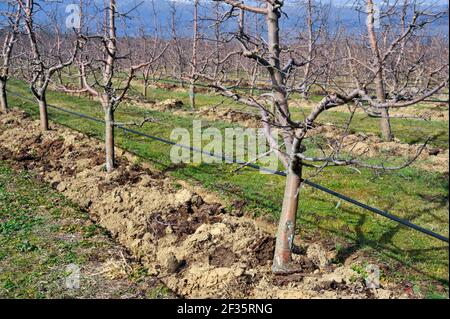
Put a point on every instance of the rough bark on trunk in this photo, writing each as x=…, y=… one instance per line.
x=385, y=124
x=144, y=91
x=194, y=57
x=192, y=95
x=3, y=98
x=109, y=138
x=43, y=115
x=286, y=227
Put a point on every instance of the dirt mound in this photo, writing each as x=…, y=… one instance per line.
x=429, y=111
x=177, y=88
x=169, y=105
x=231, y=116
x=370, y=145
x=166, y=105
x=433, y=112
x=194, y=247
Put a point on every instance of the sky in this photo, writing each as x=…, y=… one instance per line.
x=341, y=11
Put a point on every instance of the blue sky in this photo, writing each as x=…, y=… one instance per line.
x=342, y=11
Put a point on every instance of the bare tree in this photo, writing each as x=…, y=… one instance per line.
x=11, y=17
x=277, y=59
x=315, y=18
x=101, y=55
x=176, y=45
x=195, y=43
x=280, y=117
x=150, y=48
x=389, y=43
x=44, y=62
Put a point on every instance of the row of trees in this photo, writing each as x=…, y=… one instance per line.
x=392, y=63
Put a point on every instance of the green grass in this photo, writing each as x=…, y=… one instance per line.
x=41, y=233
x=419, y=196
x=411, y=131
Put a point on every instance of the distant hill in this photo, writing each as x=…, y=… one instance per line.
x=341, y=13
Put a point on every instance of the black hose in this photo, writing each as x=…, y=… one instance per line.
x=275, y=172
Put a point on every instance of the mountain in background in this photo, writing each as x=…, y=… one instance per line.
x=341, y=13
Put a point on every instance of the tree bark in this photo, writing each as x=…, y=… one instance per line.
x=109, y=138
x=144, y=91
x=3, y=98
x=43, y=115
x=286, y=227
x=385, y=123
x=192, y=95
x=194, y=57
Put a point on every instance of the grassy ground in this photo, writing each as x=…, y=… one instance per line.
x=410, y=131
x=42, y=233
x=419, y=196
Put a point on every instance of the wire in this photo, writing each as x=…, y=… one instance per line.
x=255, y=166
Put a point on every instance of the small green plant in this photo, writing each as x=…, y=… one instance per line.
x=26, y=246
x=90, y=231
x=158, y=292
x=360, y=269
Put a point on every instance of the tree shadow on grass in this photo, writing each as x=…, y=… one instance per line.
x=384, y=246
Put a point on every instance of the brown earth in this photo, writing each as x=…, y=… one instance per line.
x=166, y=105
x=196, y=248
x=435, y=112
x=432, y=111
x=231, y=116
x=369, y=145
x=228, y=115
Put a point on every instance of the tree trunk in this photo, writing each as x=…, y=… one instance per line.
x=192, y=95
x=3, y=98
x=286, y=227
x=43, y=115
x=80, y=80
x=109, y=138
x=194, y=57
x=144, y=91
x=305, y=93
x=306, y=86
x=385, y=122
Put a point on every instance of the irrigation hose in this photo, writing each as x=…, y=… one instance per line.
x=255, y=166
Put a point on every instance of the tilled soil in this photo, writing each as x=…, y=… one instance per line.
x=371, y=146
x=433, y=111
x=196, y=248
x=206, y=113
x=229, y=115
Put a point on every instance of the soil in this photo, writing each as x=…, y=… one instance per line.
x=166, y=105
x=195, y=247
x=231, y=116
x=207, y=113
x=369, y=145
x=433, y=111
